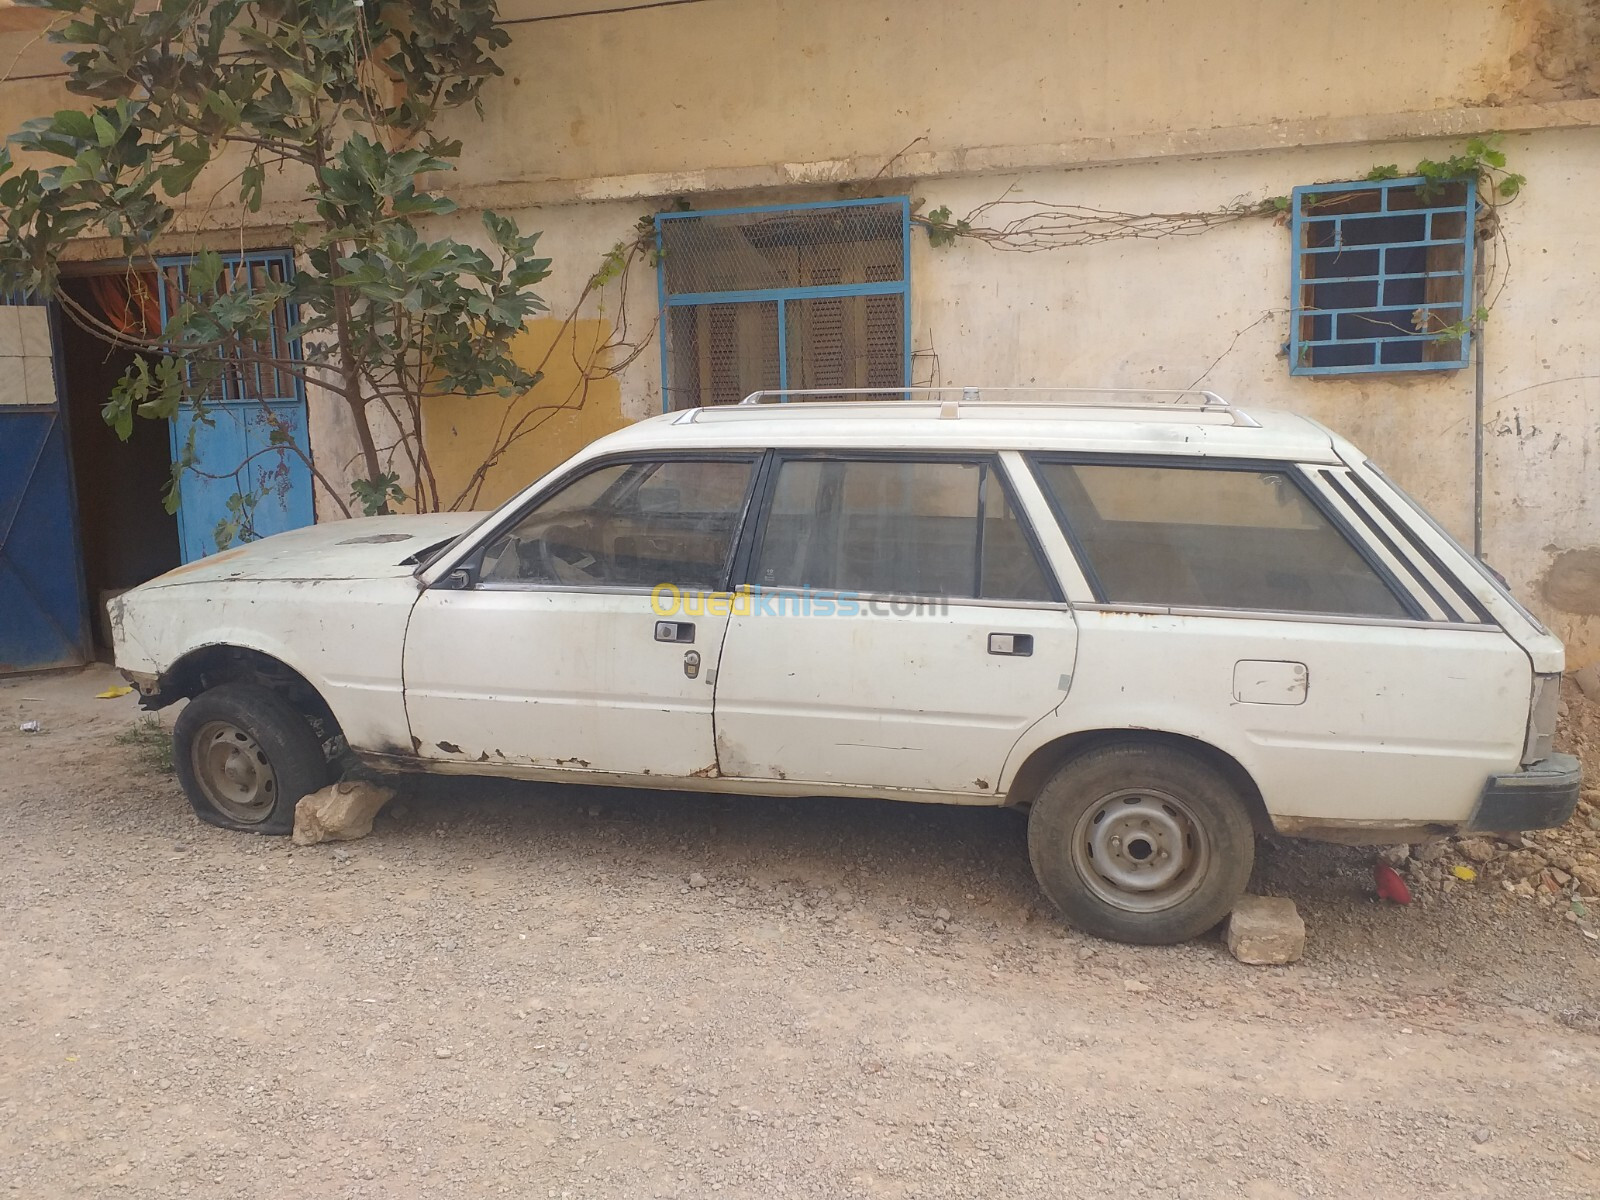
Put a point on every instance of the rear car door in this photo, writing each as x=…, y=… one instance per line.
x=546, y=649
x=1264, y=608
x=897, y=627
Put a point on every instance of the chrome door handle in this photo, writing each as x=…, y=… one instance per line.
x=1017, y=645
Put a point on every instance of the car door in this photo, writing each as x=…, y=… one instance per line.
x=1266, y=609
x=897, y=627
x=545, y=650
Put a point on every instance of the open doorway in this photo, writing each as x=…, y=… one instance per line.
x=127, y=536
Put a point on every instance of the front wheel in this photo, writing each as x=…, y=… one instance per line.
x=245, y=756
x=1141, y=843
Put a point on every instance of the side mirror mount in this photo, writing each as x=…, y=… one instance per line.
x=459, y=580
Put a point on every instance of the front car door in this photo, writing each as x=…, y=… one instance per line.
x=897, y=628
x=547, y=650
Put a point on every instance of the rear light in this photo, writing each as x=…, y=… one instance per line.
x=1542, y=718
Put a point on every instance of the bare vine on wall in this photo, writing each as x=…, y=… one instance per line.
x=1030, y=226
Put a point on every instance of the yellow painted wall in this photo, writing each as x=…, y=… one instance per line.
x=563, y=413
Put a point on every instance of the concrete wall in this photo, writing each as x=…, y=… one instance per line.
x=1138, y=105
x=1212, y=309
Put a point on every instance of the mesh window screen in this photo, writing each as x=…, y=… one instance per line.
x=720, y=353
x=810, y=297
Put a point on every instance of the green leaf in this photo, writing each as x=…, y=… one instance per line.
x=177, y=178
x=251, y=180
x=74, y=124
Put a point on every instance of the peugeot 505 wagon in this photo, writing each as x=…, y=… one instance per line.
x=1157, y=623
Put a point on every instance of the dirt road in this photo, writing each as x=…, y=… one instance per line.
x=546, y=992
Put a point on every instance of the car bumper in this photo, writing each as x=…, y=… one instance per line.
x=1540, y=796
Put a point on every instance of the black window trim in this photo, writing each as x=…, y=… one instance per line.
x=473, y=560
x=1426, y=552
x=756, y=529
x=1338, y=481
x=1293, y=470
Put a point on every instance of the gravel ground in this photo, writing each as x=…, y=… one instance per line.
x=558, y=992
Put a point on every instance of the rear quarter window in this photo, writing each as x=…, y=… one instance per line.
x=1212, y=537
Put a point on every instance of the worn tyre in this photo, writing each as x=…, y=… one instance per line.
x=1141, y=843
x=245, y=756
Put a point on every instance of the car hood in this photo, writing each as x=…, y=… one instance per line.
x=368, y=548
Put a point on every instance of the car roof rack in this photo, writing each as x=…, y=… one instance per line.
x=1169, y=401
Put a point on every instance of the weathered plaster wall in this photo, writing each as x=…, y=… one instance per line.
x=1213, y=309
x=566, y=411
x=731, y=83
x=1140, y=105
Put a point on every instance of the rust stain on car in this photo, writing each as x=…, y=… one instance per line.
x=709, y=772
x=572, y=762
x=448, y=747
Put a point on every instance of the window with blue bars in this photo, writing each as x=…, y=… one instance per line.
x=784, y=297
x=1382, y=276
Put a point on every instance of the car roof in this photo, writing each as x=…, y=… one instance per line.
x=1210, y=430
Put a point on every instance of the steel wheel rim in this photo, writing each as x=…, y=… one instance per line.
x=233, y=772
x=1141, y=850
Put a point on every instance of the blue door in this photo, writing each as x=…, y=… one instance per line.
x=43, y=622
x=251, y=403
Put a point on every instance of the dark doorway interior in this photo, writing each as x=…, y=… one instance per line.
x=128, y=537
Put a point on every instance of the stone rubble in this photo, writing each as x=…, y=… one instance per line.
x=1558, y=869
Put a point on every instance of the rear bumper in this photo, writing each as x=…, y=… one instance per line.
x=1540, y=796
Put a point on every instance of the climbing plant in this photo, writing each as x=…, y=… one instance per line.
x=335, y=104
x=1027, y=226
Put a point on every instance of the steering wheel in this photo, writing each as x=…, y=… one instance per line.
x=554, y=567
x=549, y=565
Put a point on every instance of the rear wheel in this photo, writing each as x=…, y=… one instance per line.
x=1141, y=843
x=245, y=756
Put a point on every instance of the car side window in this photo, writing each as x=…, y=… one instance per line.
x=1212, y=537
x=897, y=527
x=632, y=524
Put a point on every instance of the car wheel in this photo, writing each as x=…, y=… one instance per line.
x=245, y=756
x=1141, y=843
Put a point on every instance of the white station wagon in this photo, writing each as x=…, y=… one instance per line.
x=1159, y=625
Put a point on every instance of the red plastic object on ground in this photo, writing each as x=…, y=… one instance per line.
x=1390, y=885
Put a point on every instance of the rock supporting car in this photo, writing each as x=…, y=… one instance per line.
x=1159, y=624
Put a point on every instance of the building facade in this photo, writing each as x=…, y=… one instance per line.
x=744, y=194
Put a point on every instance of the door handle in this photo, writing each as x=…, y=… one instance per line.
x=1018, y=645
x=675, y=631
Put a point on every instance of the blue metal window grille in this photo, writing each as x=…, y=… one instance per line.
x=1382, y=276
x=251, y=407
x=784, y=297
x=241, y=380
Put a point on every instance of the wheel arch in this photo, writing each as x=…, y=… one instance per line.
x=1045, y=760
x=209, y=666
